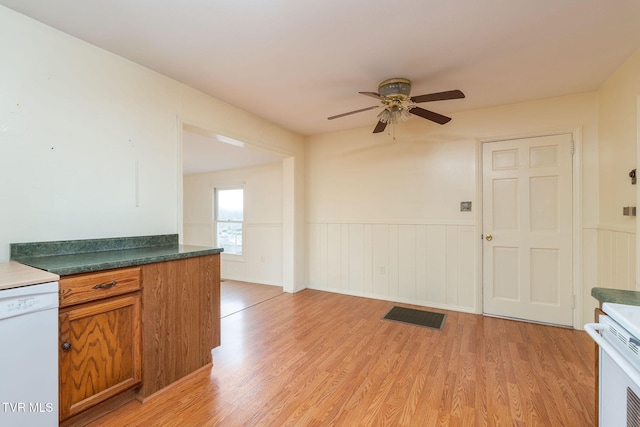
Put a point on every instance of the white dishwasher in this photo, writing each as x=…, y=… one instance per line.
x=29, y=355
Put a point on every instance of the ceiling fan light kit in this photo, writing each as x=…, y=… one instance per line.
x=394, y=94
x=395, y=114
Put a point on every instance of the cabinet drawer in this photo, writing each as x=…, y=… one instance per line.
x=85, y=287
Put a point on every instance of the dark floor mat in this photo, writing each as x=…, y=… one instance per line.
x=428, y=319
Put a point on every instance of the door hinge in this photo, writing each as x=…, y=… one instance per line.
x=573, y=301
x=573, y=147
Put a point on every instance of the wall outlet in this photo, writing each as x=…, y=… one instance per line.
x=383, y=270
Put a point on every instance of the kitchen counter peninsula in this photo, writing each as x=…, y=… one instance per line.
x=83, y=256
x=618, y=296
x=147, y=305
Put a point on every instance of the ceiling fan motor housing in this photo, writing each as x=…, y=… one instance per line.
x=396, y=88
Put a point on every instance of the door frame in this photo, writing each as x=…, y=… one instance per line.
x=576, y=133
x=637, y=281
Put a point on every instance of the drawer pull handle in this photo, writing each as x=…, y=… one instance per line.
x=106, y=285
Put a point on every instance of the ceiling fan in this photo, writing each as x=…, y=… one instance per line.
x=398, y=105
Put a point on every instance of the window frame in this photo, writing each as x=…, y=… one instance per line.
x=216, y=221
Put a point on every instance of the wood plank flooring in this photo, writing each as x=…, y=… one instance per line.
x=315, y=358
x=236, y=295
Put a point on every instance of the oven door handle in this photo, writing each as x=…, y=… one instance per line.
x=592, y=329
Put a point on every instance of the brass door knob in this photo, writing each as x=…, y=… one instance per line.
x=489, y=237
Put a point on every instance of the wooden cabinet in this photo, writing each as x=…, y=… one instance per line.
x=163, y=317
x=100, y=338
x=181, y=318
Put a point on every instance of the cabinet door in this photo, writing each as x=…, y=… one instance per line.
x=99, y=352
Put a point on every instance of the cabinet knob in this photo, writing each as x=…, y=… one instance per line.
x=489, y=237
x=66, y=346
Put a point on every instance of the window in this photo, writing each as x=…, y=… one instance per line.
x=229, y=214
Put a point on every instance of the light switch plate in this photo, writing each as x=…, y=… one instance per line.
x=629, y=211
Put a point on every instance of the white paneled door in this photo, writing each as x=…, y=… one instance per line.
x=527, y=229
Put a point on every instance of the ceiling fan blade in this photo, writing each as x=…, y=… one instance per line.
x=439, y=96
x=430, y=115
x=373, y=94
x=380, y=127
x=352, y=112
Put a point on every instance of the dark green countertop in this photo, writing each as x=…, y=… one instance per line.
x=83, y=256
x=618, y=296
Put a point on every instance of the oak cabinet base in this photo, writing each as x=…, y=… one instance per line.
x=134, y=331
x=181, y=319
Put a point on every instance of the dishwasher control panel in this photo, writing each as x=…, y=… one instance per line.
x=19, y=301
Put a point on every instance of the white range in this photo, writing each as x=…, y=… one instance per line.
x=618, y=336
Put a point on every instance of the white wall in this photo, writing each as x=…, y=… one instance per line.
x=263, y=201
x=73, y=122
x=75, y=119
x=617, y=136
x=618, y=140
x=384, y=216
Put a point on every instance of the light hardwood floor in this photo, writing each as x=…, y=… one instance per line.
x=236, y=295
x=316, y=358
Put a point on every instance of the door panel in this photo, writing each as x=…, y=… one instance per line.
x=544, y=203
x=544, y=276
x=504, y=277
x=527, y=222
x=505, y=204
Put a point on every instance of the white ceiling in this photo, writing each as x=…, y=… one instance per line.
x=202, y=152
x=296, y=62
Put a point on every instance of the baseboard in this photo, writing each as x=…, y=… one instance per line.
x=421, y=303
x=257, y=282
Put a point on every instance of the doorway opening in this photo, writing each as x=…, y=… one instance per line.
x=211, y=161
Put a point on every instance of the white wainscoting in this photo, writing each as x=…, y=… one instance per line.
x=432, y=265
x=616, y=258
